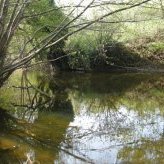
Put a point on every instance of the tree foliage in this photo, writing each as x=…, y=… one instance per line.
x=29, y=28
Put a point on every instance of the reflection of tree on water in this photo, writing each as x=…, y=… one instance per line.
x=115, y=119
x=113, y=90
x=41, y=121
x=111, y=120
x=147, y=152
x=46, y=94
x=110, y=131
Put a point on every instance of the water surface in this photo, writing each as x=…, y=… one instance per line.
x=82, y=118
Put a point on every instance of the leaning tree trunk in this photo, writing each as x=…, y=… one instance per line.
x=4, y=75
x=5, y=72
x=2, y=78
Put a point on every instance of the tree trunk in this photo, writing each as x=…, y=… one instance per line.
x=3, y=76
x=2, y=60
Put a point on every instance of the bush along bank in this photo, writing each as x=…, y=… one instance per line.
x=144, y=53
x=110, y=57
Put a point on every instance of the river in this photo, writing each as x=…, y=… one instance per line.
x=76, y=118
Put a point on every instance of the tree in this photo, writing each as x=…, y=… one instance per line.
x=14, y=17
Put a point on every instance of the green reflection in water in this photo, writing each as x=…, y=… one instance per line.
x=82, y=118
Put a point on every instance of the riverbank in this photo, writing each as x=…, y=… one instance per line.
x=97, y=53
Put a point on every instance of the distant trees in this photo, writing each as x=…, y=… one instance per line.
x=27, y=28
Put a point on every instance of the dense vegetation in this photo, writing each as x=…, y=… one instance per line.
x=125, y=35
x=133, y=39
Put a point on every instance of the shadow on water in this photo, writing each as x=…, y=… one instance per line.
x=82, y=118
x=7, y=124
x=35, y=123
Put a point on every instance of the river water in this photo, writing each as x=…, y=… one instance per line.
x=76, y=118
